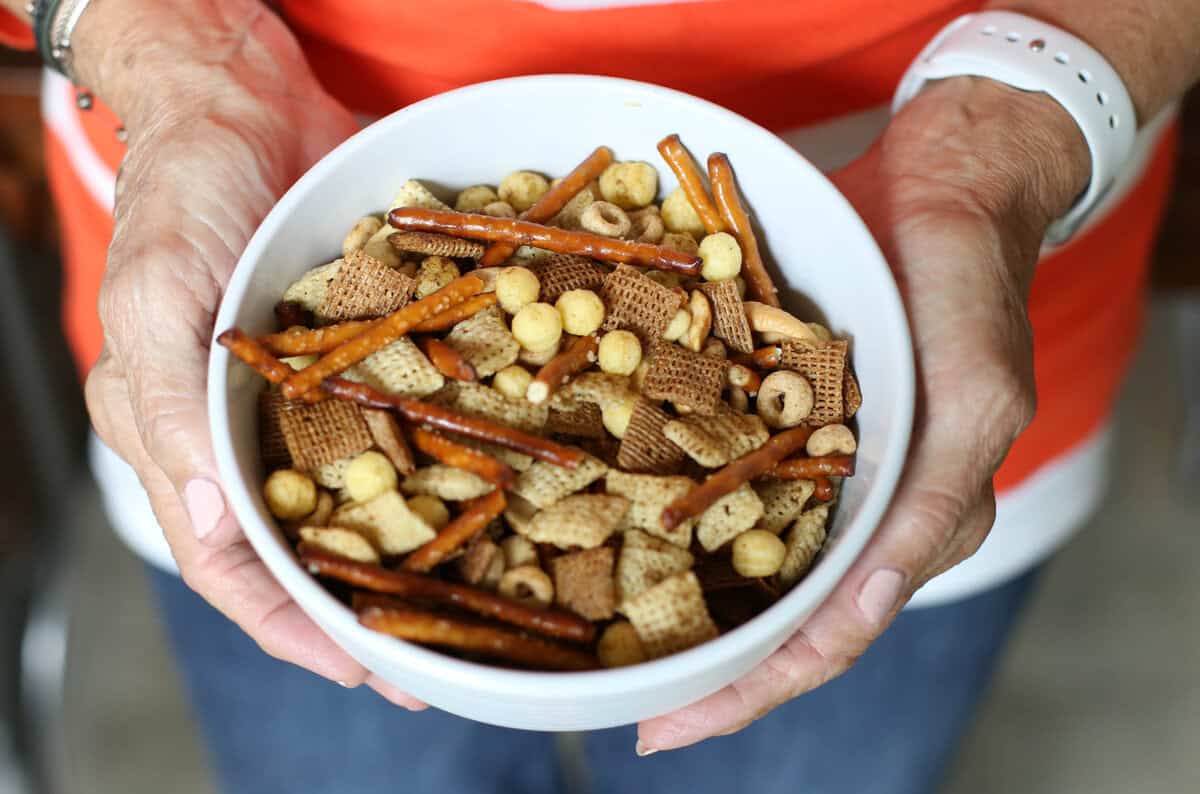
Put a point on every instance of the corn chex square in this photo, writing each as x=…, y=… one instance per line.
x=783, y=501
x=338, y=541
x=804, y=540
x=851, y=394
x=323, y=432
x=399, y=369
x=824, y=366
x=446, y=483
x=559, y=273
x=645, y=561
x=637, y=303
x=386, y=521
x=601, y=388
x=583, y=520
x=671, y=616
x=364, y=287
x=584, y=420
x=583, y=582
x=309, y=290
x=483, y=402
x=715, y=440
x=649, y=495
x=644, y=448
x=728, y=517
x=543, y=484
x=729, y=322
x=388, y=436
x=692, y=381
x=484, y=340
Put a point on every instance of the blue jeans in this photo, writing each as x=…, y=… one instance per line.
x=889, y=726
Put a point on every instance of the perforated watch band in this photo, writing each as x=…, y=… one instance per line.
x=1031, y=55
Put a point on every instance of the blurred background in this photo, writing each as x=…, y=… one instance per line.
x=1098, y=693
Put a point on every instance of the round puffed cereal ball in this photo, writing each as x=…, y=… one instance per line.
x=499, y=209
x=581, y=311
x=620, y=646
x=722, y=257
x=522, y=189
x=629, y=185
x=679, y=325
x=512, y=381
x=616, y=416
x=681, y=242
x=290, y=494
x=757, y=552
x=537, y=326
x=620, y=353
x=516, y=287
x=369, y=475
x=679, y=216
x=475, y=198
x=432, y=510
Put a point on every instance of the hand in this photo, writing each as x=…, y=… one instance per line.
x=218, y=131
x=958, y=192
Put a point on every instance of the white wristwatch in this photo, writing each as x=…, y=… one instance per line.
x=1031, y=55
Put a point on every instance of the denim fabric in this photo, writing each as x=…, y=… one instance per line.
x=888, y=726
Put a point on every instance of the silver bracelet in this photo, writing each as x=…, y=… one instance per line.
x=62, y=29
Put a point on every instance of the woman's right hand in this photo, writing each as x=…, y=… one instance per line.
x=223, y=114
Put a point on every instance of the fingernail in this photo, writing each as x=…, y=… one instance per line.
x=205, y=505
x=642, y=750
x=879, y=594
x=344, y=684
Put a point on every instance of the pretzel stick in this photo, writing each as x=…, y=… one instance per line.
x=733, y=476
x=306, y=341
x=462, y=457
x=758, y=281
x=454, y=422
x=575, y=359
x=494, y=641
x=822, y=488
x=290, y=313
x=388, y=330
x=447, y=360
x=250, y=352
x=456, y=314
x=680, y=161
x=475, y=516
x=550, y=622
x=553, y=200
x=808, y=468
x=563, y=241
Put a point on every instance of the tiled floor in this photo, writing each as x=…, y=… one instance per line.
x=1098, y=694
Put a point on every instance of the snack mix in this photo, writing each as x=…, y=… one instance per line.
x=557, y=426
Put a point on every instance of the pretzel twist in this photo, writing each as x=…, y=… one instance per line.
x=475, y=516
x=497, y=642
x=810, y=468
x=454, y=422
x=462, y=457
x=250, y=352
x=679, y=159
x=556, y=623
x=553, y=200
x=758, y=281
x=386, y=331
x=563, y=241
x=551, y=377
x=733, y=476
x=447, y=360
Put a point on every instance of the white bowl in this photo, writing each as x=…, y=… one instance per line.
x=818, y=245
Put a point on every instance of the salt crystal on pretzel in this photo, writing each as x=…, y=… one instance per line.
x=691, y=381
x=729, y=321
x=823, y=365
x=804, y=540
x=413, y=194
x=543, y=483
x=485, y=341
x=783, y=501
x=728, y=517
x=715, y=440
x=583, y=582
x=583, y=520
x=582, y=420
x=851, y=394
x=637, y=303
x=323, y=432
x=400, y=368
x=386, y=521
x=338, y=541
x=645, y=561
x=671, y=616
x=272, y=442
x=561, y=273
x=445, y=482
x=431, y=244
x=309, y=290
x=648, y=494
x=364, y=287
x=483, y=402
x=644, y=448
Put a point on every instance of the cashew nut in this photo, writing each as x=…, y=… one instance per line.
x=605, y=219
x=771, y=320
x=527, y=583
x=821, y=332
x=364, y=230
x=744, y=378
x=785, y=399
x=701, y=323
x=831, y=440
x=715, y=348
